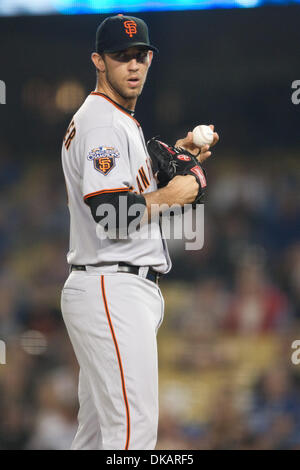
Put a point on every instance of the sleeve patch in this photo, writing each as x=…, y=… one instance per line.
x=104, y=158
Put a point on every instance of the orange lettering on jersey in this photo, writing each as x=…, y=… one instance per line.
x=144, y=178
x=130, y=27
x=141, y=189
x=71, y=131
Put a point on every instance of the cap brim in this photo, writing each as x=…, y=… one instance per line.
x=132, y=44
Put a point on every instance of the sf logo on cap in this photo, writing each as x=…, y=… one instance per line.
x=130, y=27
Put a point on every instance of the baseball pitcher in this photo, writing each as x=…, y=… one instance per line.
x=111, y=301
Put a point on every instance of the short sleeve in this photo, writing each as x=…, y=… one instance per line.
x=106, y=166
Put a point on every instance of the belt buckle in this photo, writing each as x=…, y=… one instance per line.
x=123, y=268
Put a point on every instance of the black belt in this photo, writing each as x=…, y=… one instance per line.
x=126, y=268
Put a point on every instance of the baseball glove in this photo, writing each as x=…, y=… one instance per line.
x=170, y=161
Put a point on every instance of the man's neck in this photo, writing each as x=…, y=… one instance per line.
x=125, y=103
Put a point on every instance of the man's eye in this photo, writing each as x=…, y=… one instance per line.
x=141, y=57
x=120, y=56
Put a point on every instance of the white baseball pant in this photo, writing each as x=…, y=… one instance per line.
x=112, y=320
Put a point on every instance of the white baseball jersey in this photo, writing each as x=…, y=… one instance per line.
x=104, y=151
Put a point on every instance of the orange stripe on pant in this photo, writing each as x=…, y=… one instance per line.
x=119, y=361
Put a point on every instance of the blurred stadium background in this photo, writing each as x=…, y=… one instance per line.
x=233, y=308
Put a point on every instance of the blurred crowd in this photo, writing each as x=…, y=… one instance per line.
x=227, y=380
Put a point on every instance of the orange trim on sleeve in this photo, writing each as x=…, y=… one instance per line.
x=116, y=105
x=119, y=361
x=103, y=191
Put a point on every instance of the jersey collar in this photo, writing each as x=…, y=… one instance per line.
x=125, y=110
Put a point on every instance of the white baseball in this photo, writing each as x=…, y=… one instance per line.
x=203, y=135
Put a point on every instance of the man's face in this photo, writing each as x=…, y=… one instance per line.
x=126, y=71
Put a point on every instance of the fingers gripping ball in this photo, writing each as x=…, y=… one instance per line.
x=203, y=135
x=171, y=161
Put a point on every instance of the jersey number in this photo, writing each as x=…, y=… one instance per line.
x=142, y=180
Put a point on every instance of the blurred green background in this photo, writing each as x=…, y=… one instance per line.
x=233, y=308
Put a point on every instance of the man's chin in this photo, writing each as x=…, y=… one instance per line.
x=132, y=93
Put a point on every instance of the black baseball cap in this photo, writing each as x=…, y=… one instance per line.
x=117, y=33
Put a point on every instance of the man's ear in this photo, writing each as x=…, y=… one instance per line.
x=98, y=61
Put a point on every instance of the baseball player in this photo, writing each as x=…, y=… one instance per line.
x=111, y=302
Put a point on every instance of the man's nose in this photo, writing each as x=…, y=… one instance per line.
x=133, y=64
